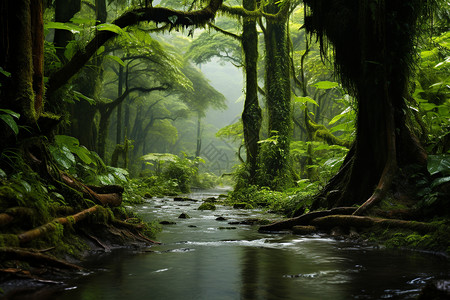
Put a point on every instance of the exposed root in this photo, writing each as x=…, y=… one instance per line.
x=306, y=219
x=362, y=222
x=112, y=199
x=33, y=256
x=41, y=230
x=13, y=212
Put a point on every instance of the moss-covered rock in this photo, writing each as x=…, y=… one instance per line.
x=207, y=206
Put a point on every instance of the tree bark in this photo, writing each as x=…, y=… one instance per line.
x=275, y=154
x=251, y=116
x=154, y=14
x=374, y=66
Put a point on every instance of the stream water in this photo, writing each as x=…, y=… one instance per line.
x=204, y=258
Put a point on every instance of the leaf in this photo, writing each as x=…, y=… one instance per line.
x=83, y=21
x=341, y=115
x=116, y=59
x=7, y=74
x=2, y=174
x=427, y=106
x=100, y=50
x=10, y=122
x=10, y=112
x=439, y=181
x=110, y=27
x=159, y=157
x=305, y=100
x=173, y=19
x=439, y=163
x=63, y=157
x=63, y=26
x=325, y=85
x=79, y=96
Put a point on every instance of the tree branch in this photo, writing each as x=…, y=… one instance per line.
x=150, y=14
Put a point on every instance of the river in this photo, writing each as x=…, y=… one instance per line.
x=204, y=258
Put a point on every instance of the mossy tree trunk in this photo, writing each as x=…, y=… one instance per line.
x=21, y=54
x=251, y=116
x=275, y=152
x=374, y=63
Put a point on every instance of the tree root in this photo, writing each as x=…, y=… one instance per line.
x=306, y=219
x=33, y=256
x=112, y=199
x=329, y=222
x=43, y=229
x=13, y=212
x=343, y=217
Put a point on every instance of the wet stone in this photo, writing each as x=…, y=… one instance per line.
x=221, y=219
x=183, y=216
x=167, y=223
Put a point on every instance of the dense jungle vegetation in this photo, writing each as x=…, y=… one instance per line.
x=345, y=114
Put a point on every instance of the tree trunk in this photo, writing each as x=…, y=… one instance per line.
x=16, y=58
x=119, y=108
x=64, y=11
x=251, y=116
x=374, y=65
x=275, y=153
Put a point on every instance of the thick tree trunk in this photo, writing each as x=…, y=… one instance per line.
x=16, y=58
x=251, y=116
x=374, y=66
x=275, y=154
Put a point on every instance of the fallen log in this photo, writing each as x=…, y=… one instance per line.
x=32, y=256
x=305, y=219
x=328, y=222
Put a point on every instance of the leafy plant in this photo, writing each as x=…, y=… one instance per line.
x=8, y=117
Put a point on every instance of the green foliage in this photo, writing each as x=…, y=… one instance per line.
x=86, y=165
x=8, y=116
x=286, y=202
x=401, y=238
x=326, y=159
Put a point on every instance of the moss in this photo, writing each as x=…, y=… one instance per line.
x=9, y=240
x=207, y=206
x=438, y=240
x=242, y=205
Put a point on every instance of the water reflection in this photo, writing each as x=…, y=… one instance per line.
x=204, y=262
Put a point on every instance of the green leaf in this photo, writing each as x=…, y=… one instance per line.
x=10, y=112
x=10, y=122
x=325, y=85
x=79, y=96
x=427, y=106
x=63, y=26
x=439, y=181
x=439, y=163
x=304, y=100
x=7, y=74
x=345, y=113
x=116, y=59
x=110, y=27
x=173, y=19
x=83, y=21
x=159, y=157
x=100, y=50
x=2, y=174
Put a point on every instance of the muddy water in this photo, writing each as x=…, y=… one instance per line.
x=204, y=258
